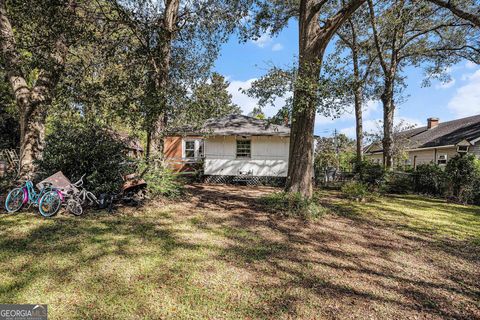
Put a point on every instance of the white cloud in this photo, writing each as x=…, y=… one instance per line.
x=368, y=126
x=263, y=40
x=348, y=115
x=277, y=47
x=466, y=101
x=445, y=85
x=247, y=103
x=470, y=65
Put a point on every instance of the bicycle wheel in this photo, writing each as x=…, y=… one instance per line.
x=49, y=204
x=74, y=207
x=14, y=200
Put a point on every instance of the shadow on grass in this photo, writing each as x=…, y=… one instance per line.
x=350, y=266
x=353, y=264
x=28, y=255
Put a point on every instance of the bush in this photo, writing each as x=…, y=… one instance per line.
x=463, y=175
x=82, y=147
x=9, y=130
x=162, y=181
x=398, y=182
x=369, y=173
x=355, y=190
x=429, y=179
x=293, y=204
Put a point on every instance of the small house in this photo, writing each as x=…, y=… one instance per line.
x=231, y=148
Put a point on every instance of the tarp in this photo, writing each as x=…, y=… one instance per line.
x=58, y=180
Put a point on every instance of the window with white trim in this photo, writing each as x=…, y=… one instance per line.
x=442, y=159
x=462, y=149
x=192, y=149
x=244, y=149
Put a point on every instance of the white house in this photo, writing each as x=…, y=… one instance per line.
x=231, y=147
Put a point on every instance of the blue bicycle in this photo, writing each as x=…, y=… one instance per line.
x=48, y=199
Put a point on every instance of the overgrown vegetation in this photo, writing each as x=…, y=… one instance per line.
x=459, y=181
x=463, y=179
x=428, y=179
x=78, y=147
x=161, y=181
x=293, y=204
x=355, y=190
x=369, y=173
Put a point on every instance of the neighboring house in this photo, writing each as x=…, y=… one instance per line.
x=437, y=142
x=231, y=147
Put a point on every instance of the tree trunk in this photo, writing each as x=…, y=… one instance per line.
x=313, y=41
x=359, y=123
x=358, y=96
x=162, y=73
x=31, y=102
x=32, y=137
x=300, y=162
x=388, y=115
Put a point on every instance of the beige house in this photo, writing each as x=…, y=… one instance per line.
x=437, y=142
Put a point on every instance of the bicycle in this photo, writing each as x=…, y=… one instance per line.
x=77, y=197
x=48, y=199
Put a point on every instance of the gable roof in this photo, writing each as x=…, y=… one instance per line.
x=235, y=124
x=444, y=134
x=130, y=142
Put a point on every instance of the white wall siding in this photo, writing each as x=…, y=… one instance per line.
x=269, y=156
x=421, y=157
x=475, y=149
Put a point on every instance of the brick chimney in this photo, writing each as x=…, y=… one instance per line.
x=432, y=122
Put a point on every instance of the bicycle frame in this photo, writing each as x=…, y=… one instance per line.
x=30, y=196
x=81, y=194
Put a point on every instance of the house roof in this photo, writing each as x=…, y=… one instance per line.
x=235, y=124
x=129, y=141
x=444, y=134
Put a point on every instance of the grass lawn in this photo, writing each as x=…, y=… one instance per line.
x=218, y=255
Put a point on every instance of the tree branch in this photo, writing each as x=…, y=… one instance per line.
x=332, y=24
x=12, y=59
x=375, y=37
x=473, y=18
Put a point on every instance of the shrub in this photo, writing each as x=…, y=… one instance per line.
x=429, y=179
x=82, y=147
x=293, y=204
x=355, y=190
x=9, y=130
x=463, y=175
x=398, y=182
x=162, y=181
x=372, y=174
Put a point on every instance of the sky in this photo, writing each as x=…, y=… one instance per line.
x=242, y=63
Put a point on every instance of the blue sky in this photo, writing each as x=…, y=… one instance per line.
x=242, y=63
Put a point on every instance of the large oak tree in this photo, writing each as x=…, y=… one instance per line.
x=34, y=41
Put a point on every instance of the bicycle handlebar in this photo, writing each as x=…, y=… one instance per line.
x=79, y=183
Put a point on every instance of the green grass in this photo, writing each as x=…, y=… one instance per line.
x=148, y=264
x=416, y=213
x=216, y=260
